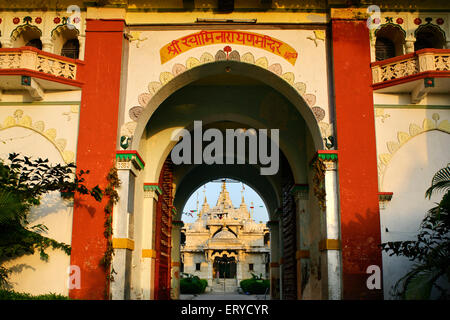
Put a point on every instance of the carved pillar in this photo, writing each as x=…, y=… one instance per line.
x=409, y=46
x=274, y=259
x=128, y=165
x=175, y=255
x=47, y=45
x=330, y=245
x=151, y=193
x=300, y=193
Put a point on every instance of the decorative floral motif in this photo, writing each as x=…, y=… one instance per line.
x=399, y=21
x=440, y=21
x=38, y=20
x=319, y=113
x=16, y=20
x=417, y=21
x=57, y=20
x=27, y=19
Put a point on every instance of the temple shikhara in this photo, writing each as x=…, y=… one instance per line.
x=225, y=244
x=354, y=97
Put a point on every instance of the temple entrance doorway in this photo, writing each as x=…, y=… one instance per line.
x=224, y=267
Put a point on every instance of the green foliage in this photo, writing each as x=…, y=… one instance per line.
x=23, y=181
x=193, y=285
x=12, y=295
x=255, y=285
x=430, y=252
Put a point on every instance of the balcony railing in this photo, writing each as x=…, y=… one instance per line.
x=435, y=60
x=36, y=60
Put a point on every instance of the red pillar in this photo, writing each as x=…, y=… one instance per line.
x=358, y=179
x=96, y=150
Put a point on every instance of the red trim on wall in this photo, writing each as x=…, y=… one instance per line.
x=96, y=151
x=409, y=56
x=358, y=179
x=40, y=75
x=41, y=52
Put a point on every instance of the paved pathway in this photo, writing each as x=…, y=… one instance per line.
x=222, y=296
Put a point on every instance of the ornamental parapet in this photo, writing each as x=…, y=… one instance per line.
x=29, y=58
x=418, y=73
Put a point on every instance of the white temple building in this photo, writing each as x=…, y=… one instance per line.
x=225, y=245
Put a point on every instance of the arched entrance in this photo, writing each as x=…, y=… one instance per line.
x=224, y=267
x=232, y=95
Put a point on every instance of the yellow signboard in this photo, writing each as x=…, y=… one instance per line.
x=204, y=38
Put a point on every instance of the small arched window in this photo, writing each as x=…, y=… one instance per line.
x=36, y=43
x=429, y=37
x=71, y=49
x=390, y=40
x=384, y=49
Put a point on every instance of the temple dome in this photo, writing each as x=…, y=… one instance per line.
x=224, y=234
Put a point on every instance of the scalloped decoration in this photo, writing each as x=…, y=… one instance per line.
x=248, y=58
x=51, y=134
x=39, y=127
x=192, y=62
x=393, y=146
x=300, y=87
x=61, y=143
x=25, y=121
x=9, y=121
x=68, y=156
x=144, y=98
x=262, y=62
x=153, y=87
x=206, y=57
x=165, y=77
x=310, y=99
x=444, y=126
x=289, y=77
x=414, y=129
x=276, y=68
x=403, y=137
x=178, y=68
x=428, y=124
x=385, y=158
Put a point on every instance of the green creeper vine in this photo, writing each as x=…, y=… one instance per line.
x=319, y=169
x=113, y=198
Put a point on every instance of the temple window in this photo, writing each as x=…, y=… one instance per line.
x=429, y=36
x=390, y=41
x=71, y=49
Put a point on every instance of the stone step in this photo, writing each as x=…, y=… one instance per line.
x=218, y=286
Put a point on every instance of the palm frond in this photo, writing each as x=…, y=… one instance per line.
x=440, y=181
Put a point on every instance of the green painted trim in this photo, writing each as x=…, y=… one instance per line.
x=152, y=187
x=174, y=211
x=410, y=106
x=42, y=103
x=327, y=156
x=300, y=188
x=129, y=157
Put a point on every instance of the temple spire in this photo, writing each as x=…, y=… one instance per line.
x=242, y=193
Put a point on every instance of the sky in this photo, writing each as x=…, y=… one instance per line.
x=212, y=191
